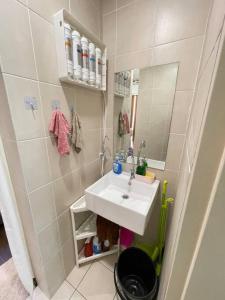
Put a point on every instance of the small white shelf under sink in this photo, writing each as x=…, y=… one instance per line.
x=129, y=206
x=83, y=259
x=86, y=230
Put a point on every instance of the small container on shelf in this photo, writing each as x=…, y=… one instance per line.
x=106, y=246
x=68, y=48
x=77, y=55
x=97, y=249
x=85, y=60
x=88, y=247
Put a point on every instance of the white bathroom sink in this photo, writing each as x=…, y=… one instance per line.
x=129, y=206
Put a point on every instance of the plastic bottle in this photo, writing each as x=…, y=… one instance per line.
x=85, y=70
x=88, y=247
x=117, y=165
x=68, y=48
x=96, y=246
x=98, y=53
x=77, y=55
x=92, y=64
x=106, y=246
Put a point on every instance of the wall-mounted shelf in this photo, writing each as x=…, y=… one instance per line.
x=86, y=230
x=61, y=17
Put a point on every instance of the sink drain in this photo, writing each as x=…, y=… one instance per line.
x=125, y=196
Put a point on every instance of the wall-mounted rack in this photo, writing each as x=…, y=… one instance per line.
x=61, y=17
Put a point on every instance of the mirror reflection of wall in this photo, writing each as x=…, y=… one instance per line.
x=145, y=98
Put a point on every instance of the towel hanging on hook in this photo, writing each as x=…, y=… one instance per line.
x=59, y=126
x=75, y=133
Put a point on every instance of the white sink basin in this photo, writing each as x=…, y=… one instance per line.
x=106, y=198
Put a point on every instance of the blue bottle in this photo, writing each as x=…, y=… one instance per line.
x=117, y=166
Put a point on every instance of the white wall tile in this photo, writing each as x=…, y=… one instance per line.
x=214, y=28
x=49, y=241
x=108, y=6
x=187, y=53
x=139, y=59
x=55, y=273
x=34, y=161
x=135, y=26
x=28, y=124
x=6, y=126
x=91, y=146
x=15, y=40
x=44, y=49
x=68, y=252
x=87, y=14
x=109, y=32
x=200, y=102
x=65, y=227
x=174, y=152
x=61, y=165
x=178, y=20
x=121, y=3
x=47, y=9
x=181, y=111
x=42, y=205
x=89, y=109
x=89, y=174
x=67, y=190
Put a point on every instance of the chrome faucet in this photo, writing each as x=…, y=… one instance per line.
x=132, y=175
x=133, y=169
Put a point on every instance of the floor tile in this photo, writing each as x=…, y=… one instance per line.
x=98, y=283
x=77, y=296
x=77, y=274
x=109, y=261
x=64, y=292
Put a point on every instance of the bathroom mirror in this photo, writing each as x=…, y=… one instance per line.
x=143, y=106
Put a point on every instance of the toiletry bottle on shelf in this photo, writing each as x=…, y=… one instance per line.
x=68, y=47
x=77, y=55
x=88, y=247
x=106, y=246
x=141, y=168
x=117, y=165
x=98, y=67
x=96, y=246
x=85, y=64
x=92, y=64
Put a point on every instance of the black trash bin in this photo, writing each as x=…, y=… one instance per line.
x=134, y=276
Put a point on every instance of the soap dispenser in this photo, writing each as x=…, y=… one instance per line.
x=117, y=165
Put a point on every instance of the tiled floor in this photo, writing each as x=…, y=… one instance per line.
x=5, y=253
x=91, y=282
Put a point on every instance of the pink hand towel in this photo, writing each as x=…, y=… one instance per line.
x=59, y=126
